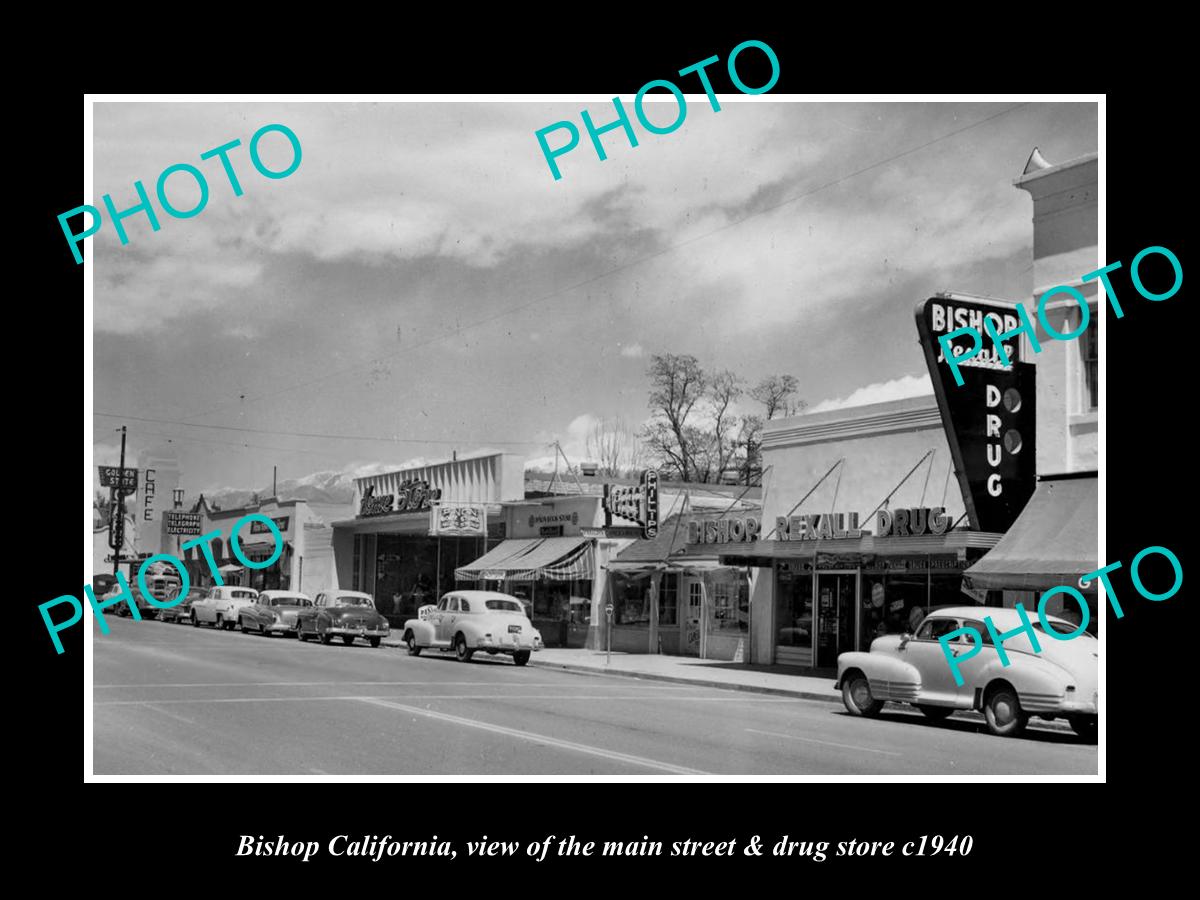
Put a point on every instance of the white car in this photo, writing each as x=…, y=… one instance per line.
x=466, y=621
x=1061, y=680
x=219, y=607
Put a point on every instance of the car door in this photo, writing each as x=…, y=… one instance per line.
x=925, y=652
x=447, y=613
x=203, y=607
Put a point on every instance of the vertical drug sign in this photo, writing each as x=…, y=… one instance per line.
x=990, y=420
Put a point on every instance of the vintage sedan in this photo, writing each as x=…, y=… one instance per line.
x=466, y=621
x=219, y=607
x=274, y=612
x=344, y=614
x=180, y=612
x=1060, y=681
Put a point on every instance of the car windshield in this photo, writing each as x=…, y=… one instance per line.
x=505, y=606
x=349, y=600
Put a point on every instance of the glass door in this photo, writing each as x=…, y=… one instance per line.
x=837, y=602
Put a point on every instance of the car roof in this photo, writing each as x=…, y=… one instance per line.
x=275, y=593
x=236, y=587
x=1001, y=615
x=481, y=595
x=340, y=593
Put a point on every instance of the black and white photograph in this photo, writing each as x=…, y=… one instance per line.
x=446, y=438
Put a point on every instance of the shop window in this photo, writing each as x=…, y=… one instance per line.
x=731, y=606
x=552, y=600
x=894, y=603
x=1089, y=348
x=668, y=600
x=631, y=600
x=793, y=607
x=357, y=564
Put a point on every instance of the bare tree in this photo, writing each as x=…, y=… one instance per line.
x=775, y=393
x=677, y=384
x=614, y=446
x=719, y=446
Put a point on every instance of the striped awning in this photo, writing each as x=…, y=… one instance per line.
x=535, y=559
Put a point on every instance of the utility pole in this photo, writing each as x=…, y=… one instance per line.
x=274, y=485
x=117, y=526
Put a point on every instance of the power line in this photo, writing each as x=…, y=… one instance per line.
x=624, y=266
x=309, y=434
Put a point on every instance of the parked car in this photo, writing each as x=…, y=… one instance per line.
x=1060, y=681
x=220, y=606
x=274, y=612
x=161, y=587
x=180, y=612
x=344, y=614
x=466, y=621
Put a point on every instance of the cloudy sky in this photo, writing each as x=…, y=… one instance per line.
x=423, y=280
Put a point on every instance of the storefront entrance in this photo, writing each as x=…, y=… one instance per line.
x=837, y=602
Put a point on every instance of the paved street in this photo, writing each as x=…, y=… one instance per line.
x=171, y=699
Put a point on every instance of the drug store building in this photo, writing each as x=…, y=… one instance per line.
x=863, y=531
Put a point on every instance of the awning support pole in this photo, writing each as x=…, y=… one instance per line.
x=809, y=494
x=898, y=486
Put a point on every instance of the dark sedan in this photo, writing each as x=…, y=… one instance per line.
x=274, y=612
x=344, y=614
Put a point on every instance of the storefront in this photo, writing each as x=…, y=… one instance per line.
x=864, y=530
x=414, y=527
x=291, y=517
x=672, y=596
x=831, y=595
x=549, y=562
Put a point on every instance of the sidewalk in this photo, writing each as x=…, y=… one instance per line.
x=778, y=680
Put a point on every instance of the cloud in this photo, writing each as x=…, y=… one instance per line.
x=880, y=392
x=633, y=351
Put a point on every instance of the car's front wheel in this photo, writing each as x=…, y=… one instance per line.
x=1087, y=727
x=300, y=632
x=1003, y=712
x=937, y=713
x=461, y=650
x=411, y=640
x=326, y=637
x=347, y=639
x=521, y=657
x=220, y=623
x=195, y=621
x=856, y=695
x=374, y=641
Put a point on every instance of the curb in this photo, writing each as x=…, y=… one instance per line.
x=968, y=715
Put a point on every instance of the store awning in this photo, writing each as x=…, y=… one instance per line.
x=1053, y=541
x=552, y=559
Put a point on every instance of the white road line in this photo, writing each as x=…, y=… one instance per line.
x=432, y=697
x=793, y=737
x=171, y=715
x=208, y=684
x=539, y=738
